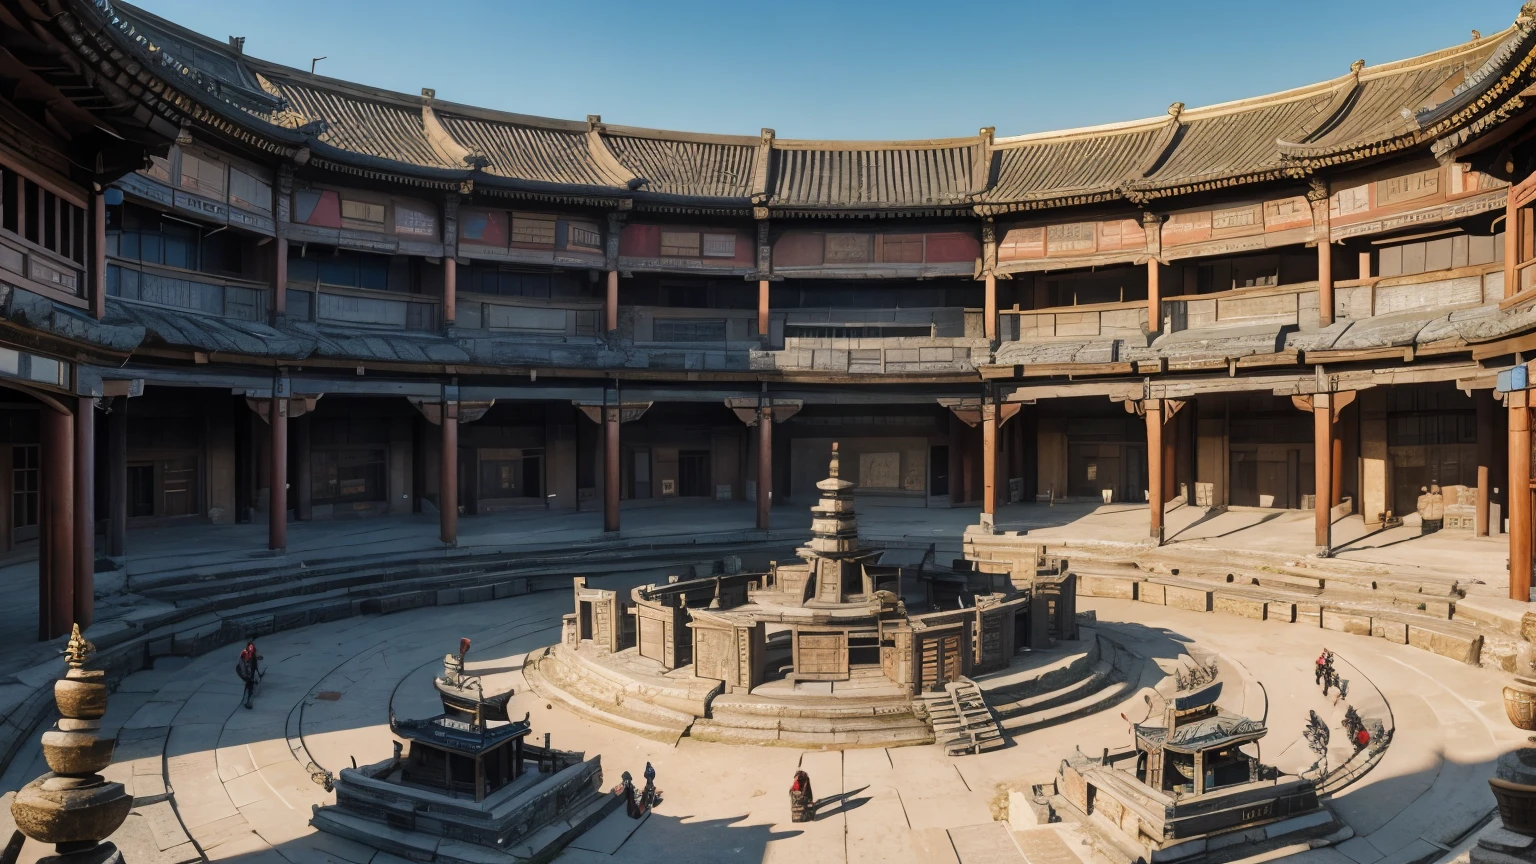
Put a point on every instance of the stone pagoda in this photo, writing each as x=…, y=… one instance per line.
x=834, y=558
x=73, y=806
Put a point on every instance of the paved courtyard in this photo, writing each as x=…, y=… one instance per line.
x=235, y=787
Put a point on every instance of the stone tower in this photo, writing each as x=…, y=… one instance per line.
x=834, y=552
x=73, y=806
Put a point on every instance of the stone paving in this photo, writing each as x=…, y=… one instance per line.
x=214, y=778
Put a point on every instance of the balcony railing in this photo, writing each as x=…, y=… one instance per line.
x=361, y=307
x=878, y=341
x=534, y=317
x=37, y=269
x=1244, y=307
x=184, y=289
x=1126, y=320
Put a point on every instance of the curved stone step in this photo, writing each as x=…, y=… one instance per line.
x=819, y=722
x=639, y=718
x=1022, y=682
x=1094, y=681
x=1100, y=699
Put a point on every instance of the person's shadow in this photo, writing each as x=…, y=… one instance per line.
x=844, y=802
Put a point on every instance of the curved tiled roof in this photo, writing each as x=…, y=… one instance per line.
x=692, y=168
x=1057, y=166
x=385, y=129
x=1370, y=111
x=536, y=153
x=909, y=174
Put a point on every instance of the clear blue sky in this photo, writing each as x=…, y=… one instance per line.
x=875, y=69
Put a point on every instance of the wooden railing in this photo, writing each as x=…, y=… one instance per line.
x=1096, y=320
x=523, y=315
x=174, y=288
x=37, y=269
x=361, y=307
x=1242, y=307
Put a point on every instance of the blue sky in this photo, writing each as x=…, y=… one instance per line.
x=888, y=69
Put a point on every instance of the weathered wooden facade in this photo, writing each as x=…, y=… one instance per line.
x=289, y=297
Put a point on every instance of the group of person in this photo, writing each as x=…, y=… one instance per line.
x=649, y=797
x=1328, y=677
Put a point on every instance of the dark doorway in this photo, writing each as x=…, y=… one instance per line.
x=693, y=474
x=141, y=490
x=938, y=470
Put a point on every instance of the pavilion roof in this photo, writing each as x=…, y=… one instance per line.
x=1367, y=113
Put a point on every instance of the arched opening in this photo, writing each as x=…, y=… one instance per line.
x=47, y=510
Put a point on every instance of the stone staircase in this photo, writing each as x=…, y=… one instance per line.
x=961, y=720
x=659, y=707
x=1056, y=685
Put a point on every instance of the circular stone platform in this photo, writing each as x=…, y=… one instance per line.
x=212, y=777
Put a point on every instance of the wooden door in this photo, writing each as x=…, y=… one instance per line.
x=821, y=656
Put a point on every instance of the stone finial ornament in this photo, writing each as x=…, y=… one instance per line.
x=73, y=806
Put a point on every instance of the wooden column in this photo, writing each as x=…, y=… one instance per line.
x=1322, y=473
x=764, y=466
x=1322, y=232
x=989, y=424
x=991, y=307
x=98, y=252
x=279, y=278
x=1154, y=298
x=1519, y=496
x=85, y=512
x=956, y=463
x=1484, y=458
x=117, y=478
x=1326, y=409
x=1511, y=244
x=1170, y=457
x=448, y=476
x=56, y=546
x=611, y=414
x=762, y=307
x=1336, y=473
x=301, y=453
x=450, y=290
x=611, y=304
x=277, y=474
x=1153, y=409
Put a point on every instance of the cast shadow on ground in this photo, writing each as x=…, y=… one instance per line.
x=844, y=802
x=1211, y=514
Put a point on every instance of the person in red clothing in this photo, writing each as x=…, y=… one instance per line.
x=1362, y=739
x=249, y=670
x=802, y=803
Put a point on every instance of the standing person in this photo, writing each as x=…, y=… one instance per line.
x=802, y=803
x=249, y=670
x=1323, y=662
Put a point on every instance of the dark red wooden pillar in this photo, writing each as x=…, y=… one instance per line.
x=85, y=512
x=277, y=525
x=117, y=478
x=448, y=482
x=56, y=559
x=611, y=467
x=764, y=467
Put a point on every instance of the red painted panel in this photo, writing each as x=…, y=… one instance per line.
x=953, y=247
x=483, y=227
x=798, y=249
x=319, y=207
x=640, y=241
x=746, y=248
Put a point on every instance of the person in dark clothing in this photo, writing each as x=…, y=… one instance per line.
x=249, y=670
x=802, y=802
